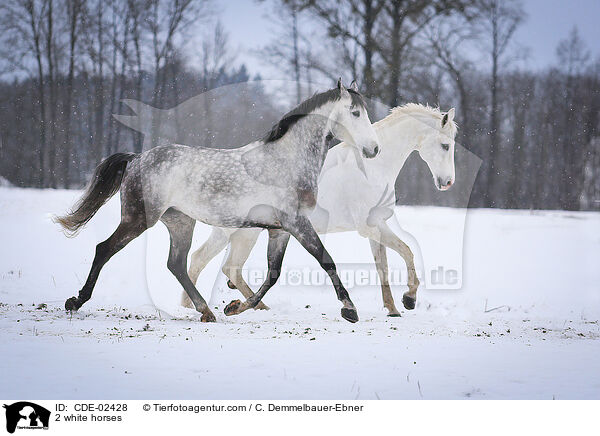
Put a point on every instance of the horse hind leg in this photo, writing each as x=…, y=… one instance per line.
x=386, y=237
x=278, y=241
x=242, y=242
x=201, y=257
x=181, y=229
x=129, y=229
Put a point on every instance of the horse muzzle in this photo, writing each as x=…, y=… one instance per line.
x=444, y=185
x=370, y=152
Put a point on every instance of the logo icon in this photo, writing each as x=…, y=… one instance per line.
x=26, y=415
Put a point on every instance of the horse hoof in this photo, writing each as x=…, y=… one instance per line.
x=394, y=314
x=233, y=308
x=349, y=315
x=72, y=304
x=230, y=285
x=409, y=302
x=208, y=317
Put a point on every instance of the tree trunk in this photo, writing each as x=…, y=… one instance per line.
x=52, y=89
x=99, y=91
x=395, y=55
x=135, y=31
x=493, y=152
x=67, y=149
x=35, y=31
x=122, y=81
x=110, y=146
x=296, y=54
x=368, y=47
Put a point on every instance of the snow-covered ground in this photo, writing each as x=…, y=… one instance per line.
x=523, y=325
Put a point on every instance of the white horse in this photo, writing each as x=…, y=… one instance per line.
x=357, y=195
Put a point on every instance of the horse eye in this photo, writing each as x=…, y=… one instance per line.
x=356, y=114
x=446, y=147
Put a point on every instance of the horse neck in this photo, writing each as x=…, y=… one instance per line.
x=305, y=144
x=398, y=139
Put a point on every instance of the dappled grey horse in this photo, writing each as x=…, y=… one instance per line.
x=271, y=183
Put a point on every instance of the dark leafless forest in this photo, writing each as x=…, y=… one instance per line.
x=67, y=65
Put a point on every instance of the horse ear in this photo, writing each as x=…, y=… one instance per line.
x=354, y=86
x=343, y=90
x=451, y=114
x=448, y=116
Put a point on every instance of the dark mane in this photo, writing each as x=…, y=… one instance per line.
x=306, y=107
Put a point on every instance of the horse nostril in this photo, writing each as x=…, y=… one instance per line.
x=449, y=183
x=370, y=154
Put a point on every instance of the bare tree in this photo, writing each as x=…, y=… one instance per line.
x=115, y=24
x=23, y=25
x=51, y=83
x=355, y=21
x=497, y=20
x=136, y=11
x=285, y=51
x=444, y=42
x=520, y=89
x=573, y=57
x=405, y=19
x=75, y=9
x=590, y=196
x=96, y=45
x=167, y=21
x=215, y=55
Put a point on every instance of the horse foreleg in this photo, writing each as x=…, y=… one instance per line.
x=242, y=242
x=278, y=241
x=380, y=257
x=302, y=229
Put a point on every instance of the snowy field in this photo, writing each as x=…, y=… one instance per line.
x=523, y=325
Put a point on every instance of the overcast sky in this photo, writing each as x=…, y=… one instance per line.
x=547, y=23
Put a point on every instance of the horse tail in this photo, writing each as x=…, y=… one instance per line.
x=104, y=184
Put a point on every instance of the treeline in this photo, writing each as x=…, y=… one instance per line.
x=536, y=131
x=69, y=64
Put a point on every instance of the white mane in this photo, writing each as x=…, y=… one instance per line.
x=417, y=110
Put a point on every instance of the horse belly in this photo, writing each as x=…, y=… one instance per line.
x=233, y=209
